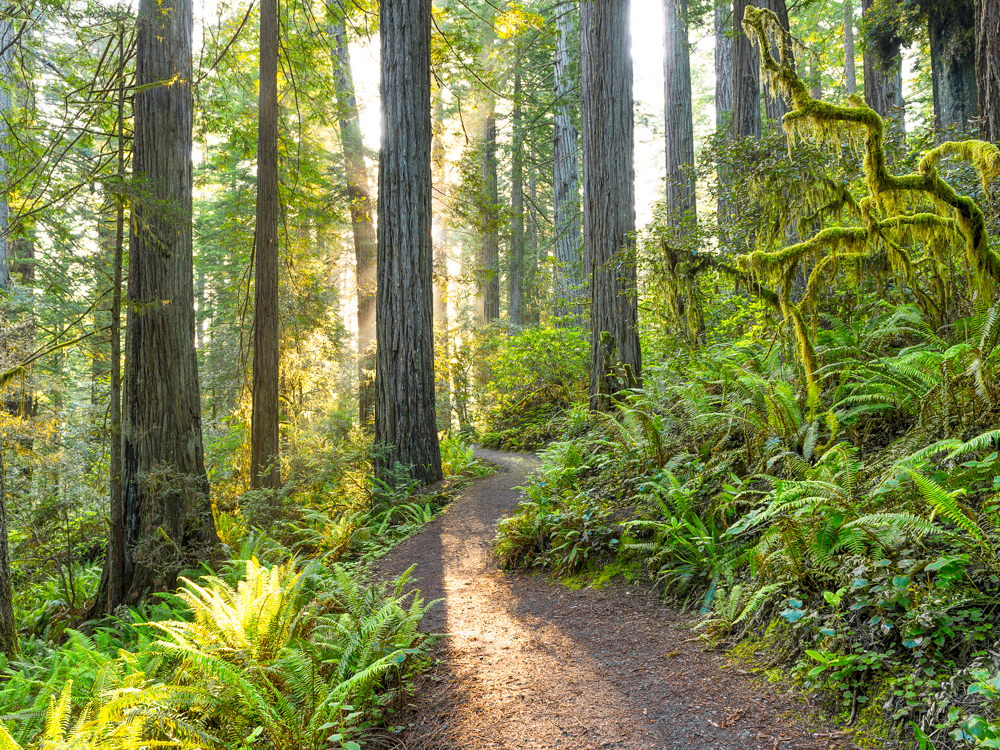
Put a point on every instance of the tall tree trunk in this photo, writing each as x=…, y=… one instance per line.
x=723, y=26
x=404, y=322
x=8, y=628
x=115, y=562
x=679, y=127
x=884, y=83
x=265, y=466
x=988, y=67
x=850, y=69
x=7, y=32
x=953, y=66
x=167, y=514
x=515, y=280
x=362, y=224
x=774, y=103
x=746, y=79
x=531, y=295
x=439, y=234
x=490, y=258
x=816, y=88
x=609, y=198
x=565, y=176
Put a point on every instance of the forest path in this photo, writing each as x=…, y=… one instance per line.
x=532, y=664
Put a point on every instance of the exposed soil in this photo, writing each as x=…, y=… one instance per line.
x=531, y=664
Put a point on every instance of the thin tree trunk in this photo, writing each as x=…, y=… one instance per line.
x=774, y=103
x=953, y=67
x=490, y=282
x=679, y=127
x=884, y=84
x=988, y=67
x=609, y=198
x=439, y=234
x=362, y=223
x=746, y=79
x=850, y=69
x=531, y=296
x=816, y=89
x=565, y=177
x=515, y=290
x=265, y=466
x=167, y=514
x=6, y=73
x=8, y=628
x=116, y=540
x=723, y=27
x=404, y=322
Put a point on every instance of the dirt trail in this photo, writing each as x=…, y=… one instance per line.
x=532, y=664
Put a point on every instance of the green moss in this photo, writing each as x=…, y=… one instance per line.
x=874, y=728
x=598, y=576
x=891, y=216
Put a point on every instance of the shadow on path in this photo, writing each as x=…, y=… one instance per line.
x=531, y=664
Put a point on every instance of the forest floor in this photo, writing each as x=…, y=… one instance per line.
x=529, y=663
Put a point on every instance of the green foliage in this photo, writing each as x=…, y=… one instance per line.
x=534, y=374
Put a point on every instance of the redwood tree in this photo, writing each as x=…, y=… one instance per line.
x=405, y=425
x=988, y=66
x=264, y=463
x=362, y=222
x=679, y=129
x=609, y=197
x=565, y=172
x=167, y=515
x=746, y=79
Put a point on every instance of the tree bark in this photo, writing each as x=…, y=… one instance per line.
x=404, y=374
x=679, y=126
x=6, y=57
x=746, y=79
x=265, y=466
x=884, y=82
x=568, y=274
x=609, y=198
x=167, y=515
x=490, y=259
x=723, y=27
x=362, y=224
x=850, y=69
x=774, y=103
x=439, y=234
x=953, y=66
x=9, y=644
x=988, y=67
x=515, y=272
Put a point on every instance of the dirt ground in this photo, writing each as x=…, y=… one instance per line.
x=529, y=663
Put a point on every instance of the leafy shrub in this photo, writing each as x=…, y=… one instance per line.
x=535, y=374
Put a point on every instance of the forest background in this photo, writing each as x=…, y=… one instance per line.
x=747, y=308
